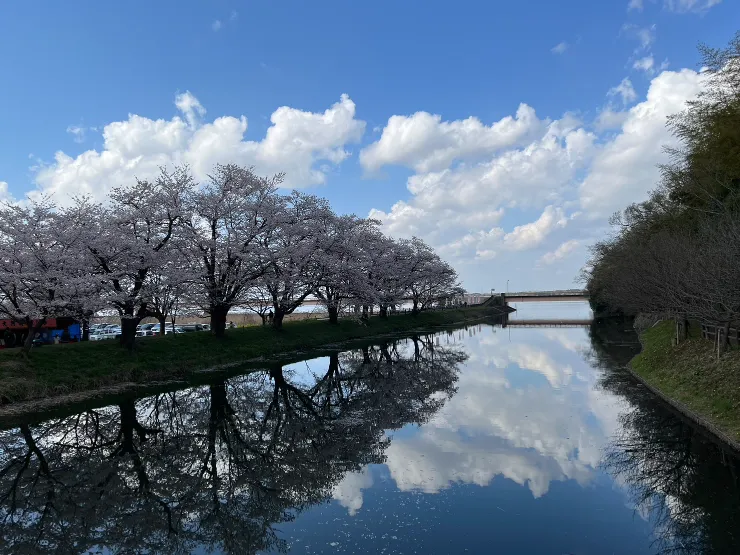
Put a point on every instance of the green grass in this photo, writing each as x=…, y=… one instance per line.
x=59, y=369
x=691, y=373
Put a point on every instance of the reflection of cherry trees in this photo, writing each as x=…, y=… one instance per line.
x=215, y=466
x=685, y=484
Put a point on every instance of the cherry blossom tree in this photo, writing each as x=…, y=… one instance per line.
x=230, y=217
x=130, y=237
x=386, y=265
x=431, y=279
x=168, y=287
x=41, y=275
x=289, y=253
x=342, y=261
x=258, y=300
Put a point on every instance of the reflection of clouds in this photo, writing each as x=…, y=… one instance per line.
x=564, y=337
x=502, y=423
x=349, y=491
x=435, y=461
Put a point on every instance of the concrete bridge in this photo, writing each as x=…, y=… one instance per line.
x=540, y=296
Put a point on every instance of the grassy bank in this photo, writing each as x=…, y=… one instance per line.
x=59, y=369
x=691, y=374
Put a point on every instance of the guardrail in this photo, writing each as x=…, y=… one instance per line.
x=710, y=332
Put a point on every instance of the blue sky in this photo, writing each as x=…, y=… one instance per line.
x=519, y=200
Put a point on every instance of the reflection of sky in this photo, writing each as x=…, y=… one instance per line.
x=556, y=310
x=511, y=460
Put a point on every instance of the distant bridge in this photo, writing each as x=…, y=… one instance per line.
x=557, y=295
x=548, y=323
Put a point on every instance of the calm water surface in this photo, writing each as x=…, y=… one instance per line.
x=478, y=440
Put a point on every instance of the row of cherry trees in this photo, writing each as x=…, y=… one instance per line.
x=232, y=242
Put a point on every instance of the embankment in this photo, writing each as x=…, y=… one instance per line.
x=64, y=370
x=691, y=378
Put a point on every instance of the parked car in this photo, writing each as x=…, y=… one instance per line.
x=105, y=333
x=144, y=330
x=193, y=327
x=167, y=330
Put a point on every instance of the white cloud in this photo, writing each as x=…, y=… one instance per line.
x=624, y=169
x=684, y=6
x=625, y=91
x=530, y=235
x=561, y=252
x=190, y=107
x=635, y=5
x=559, y=48
x=645, y=64
x=4, y=191
x=297, y=142
x=234, y=15
x=425, y=143
x=216, y=25
x=511, y=203
x=77, y=132
x=610, y=119
x=645, y=36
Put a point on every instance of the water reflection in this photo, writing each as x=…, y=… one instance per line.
x=215, y=467
x=684, y=483
x=478, y=439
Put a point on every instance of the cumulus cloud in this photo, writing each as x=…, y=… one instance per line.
x=610, y=119
x=530, y=235
x=512, y=203
x=4, y=191
x=559, y=48
x=305, y=145
x=561, y=252
x=216, y=25
x=624, y=169
x=635, y=5
x=425, y=143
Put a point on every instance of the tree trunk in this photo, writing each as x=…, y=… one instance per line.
x=364, y=312
x=33, y=329
x=415, y=310
x=365, y=355
x=85, y=330
x=386, y=354
x=277, y=319
x=383, y=311
x=263, y=316
x=128, y=332
x=162, y=326
x=218, y=320
x=333, y=314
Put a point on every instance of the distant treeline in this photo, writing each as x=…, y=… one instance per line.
x=677, y=254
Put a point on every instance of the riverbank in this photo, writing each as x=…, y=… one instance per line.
x=691, y=378
x=64, y=369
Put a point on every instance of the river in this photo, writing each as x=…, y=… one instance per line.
x=482, y=439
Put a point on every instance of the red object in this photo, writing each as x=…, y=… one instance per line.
x=11, y=325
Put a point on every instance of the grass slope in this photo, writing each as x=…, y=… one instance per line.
x=691, y=373
x=59, y=369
